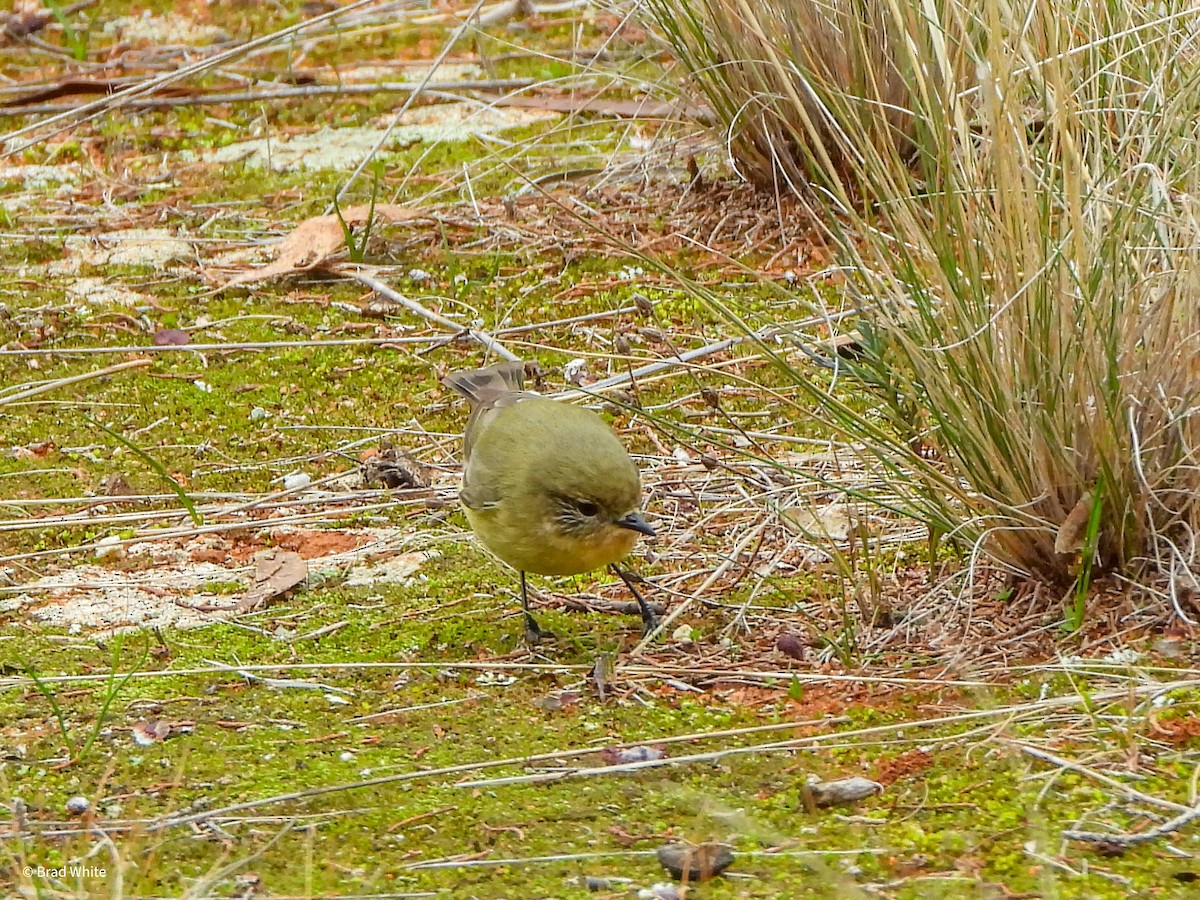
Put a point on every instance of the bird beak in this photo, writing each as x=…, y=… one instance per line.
x=635, y=522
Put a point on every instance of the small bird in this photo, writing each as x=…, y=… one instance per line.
x=547, y=486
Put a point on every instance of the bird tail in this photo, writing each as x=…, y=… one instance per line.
x=483, y=387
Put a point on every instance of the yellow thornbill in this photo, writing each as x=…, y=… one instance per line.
x=547, y=486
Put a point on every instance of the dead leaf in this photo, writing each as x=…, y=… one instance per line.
x=601, y=674
x=392, y=213
x=1074, y=527
x=847, y=346
x=558, y=701
x=393, y=468
x=36, y=450
x=311, y=243
x=275, y=572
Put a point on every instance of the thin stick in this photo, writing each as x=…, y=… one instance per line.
x=572, y=320
x=1028, y=708
x=216, y=348
x=1132, y=840
x=809, y=742
x=209, y=511
x=194, y=532
x=317, y=342
x=280, y=93
x=451, y=40
x=1070, y=766
x=396, y=297
x=675, y=362
x=383, y=714
x=658, y=671
x=168, y=821
x=1038, y=707
x=24, y=683
x=74, y=379
x=563, y=774
x=278, y=683
x=454, y=862
x=511, y=861
x=717, y=573
x=623, y=378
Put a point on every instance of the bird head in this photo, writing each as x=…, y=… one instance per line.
x=593, y=491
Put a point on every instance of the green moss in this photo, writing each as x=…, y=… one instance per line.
x=954, y=828
x=278, y=740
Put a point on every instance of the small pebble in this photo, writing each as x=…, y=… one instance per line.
x=171, y=337
x=626, y=755
x=296, y=481
x=109, y=546
x=791, y=645
x=695, y=863
x=77, y=806
x=844, y=790
x=575, y=371
x=682, y=635
x=661, y=891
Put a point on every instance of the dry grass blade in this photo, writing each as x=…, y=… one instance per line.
x=1024, y=260
x=782, y=78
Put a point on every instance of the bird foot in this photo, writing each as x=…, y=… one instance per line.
x=534, y=633
x=649, y=622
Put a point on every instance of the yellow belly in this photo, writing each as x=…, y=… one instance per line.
x=541, y=549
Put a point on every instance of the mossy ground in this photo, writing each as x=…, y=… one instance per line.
x=965, y=812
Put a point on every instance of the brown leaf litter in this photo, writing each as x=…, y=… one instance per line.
x=313, y=243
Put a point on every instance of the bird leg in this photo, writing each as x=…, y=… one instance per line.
x=649, y=620
x=533, y=633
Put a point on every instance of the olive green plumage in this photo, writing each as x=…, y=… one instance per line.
x=547, y=486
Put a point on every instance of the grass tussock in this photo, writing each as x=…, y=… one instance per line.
x=1023, y=257
x=766, y=69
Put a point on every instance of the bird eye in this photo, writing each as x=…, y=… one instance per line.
x=587, y=507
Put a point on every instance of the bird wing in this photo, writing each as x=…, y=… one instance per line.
x=479, y=492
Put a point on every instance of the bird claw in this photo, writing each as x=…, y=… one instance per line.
x=649, y=623
x=534, y=634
